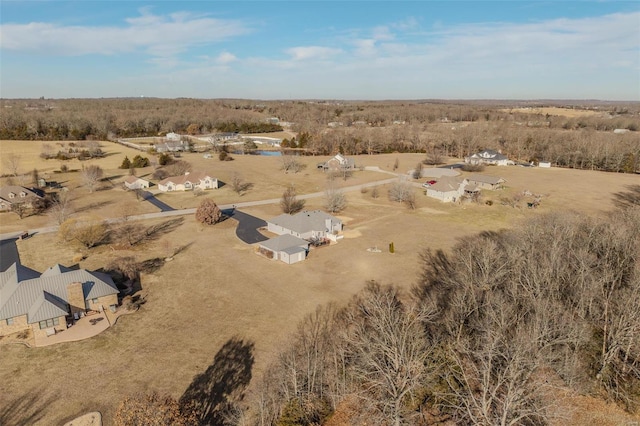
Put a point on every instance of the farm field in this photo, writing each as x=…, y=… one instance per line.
x=218, y=288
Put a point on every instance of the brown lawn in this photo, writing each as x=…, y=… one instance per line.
x=558, y=111
x=218, y=288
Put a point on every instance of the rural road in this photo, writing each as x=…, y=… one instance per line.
x=246, y=221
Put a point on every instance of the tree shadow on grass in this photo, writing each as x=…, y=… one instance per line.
x=629, y=198
x=213, y=393
x=25, y=410
x=93, y=206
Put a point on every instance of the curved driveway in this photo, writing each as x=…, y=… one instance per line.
x=248, y=225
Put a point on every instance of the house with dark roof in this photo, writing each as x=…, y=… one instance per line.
x=488, y=157
x=14, y=194
x=44, y=302
x=308, y=225
x=188, y=182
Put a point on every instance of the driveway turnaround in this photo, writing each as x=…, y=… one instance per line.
x=248, y=225
x=8, y=253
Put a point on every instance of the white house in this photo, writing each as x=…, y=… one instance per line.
x=338, y=163
x=308, y=225
x=490, y=157
x=447, y=189
x=544, y=164
x=286, y=248
x=188, y=182
x=173, y=137
x=134, y=182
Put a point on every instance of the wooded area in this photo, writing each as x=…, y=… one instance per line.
x=584, y=138
x=491, y=333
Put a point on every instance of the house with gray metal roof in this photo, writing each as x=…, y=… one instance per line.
x=308, y=225
x=44, y=302
x=286, y=248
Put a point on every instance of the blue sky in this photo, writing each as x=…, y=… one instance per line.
x=321, y=49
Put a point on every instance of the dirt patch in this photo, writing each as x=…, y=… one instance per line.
x=557, y=111
x=89, y=419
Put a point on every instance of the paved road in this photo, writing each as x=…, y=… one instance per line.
x=248, y=225
x=8, y=253
x=147, y=196
x=184, y=212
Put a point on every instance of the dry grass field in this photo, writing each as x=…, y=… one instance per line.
x=557, y=111
x=218, y=288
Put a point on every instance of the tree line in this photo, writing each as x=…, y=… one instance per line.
x=443, y=129
x=487, y=336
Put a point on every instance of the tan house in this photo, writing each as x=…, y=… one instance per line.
x=134, y=182
x=47, y=302
x=486, y=182
x=447, y=189
x=188, y=182
x=13, y=194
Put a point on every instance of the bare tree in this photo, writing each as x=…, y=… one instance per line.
x=417, y=172
x=239, y=185
x=290, y=203
x=61, y=209
x=402, y=192
x=89, y=232
x=178, y=168
x=388, y=349
x=335, y=200
x=12, y=162
x=291, y=163
x=20, y=209
x=153, y=409
x=375, y=192
x=208, y=212
x=91, y=175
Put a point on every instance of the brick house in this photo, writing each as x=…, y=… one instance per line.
x=45, y=302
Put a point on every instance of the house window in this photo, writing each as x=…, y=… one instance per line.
x=94, y=300
x=23, y=194
x=187, y=185
x=49, y=323
x=9, y=321
x=12, y=195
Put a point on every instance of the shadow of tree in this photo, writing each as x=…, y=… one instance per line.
x=93, y=206
x=25, y=409
x=629, y=198
x=213, y=393
x=156, y=231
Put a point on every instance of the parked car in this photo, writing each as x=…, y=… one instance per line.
x=428, y=183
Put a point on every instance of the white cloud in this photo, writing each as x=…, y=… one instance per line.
x=301, y=53
x=226, y=58
x=158, y=35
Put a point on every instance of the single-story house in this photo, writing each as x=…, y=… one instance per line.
x=308, y=225
x=42, y=302
x=447, y=189
x=134, y=182
x=172, y=146
x=14, y=194
x=286, y=248
x=486, y=182
x=188, y=182
x=490, y=157
x=338, y=163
